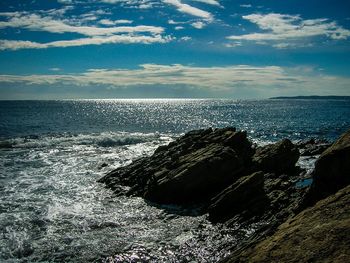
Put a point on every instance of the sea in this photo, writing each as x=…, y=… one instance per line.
x=53, y=152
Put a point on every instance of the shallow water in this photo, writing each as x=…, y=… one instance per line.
x=52, y=153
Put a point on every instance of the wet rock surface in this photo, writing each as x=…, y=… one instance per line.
x=279, y=157
x=332, y=169
x=312, y=147
x=190, y=170
x=318, y=234
x=219, y=172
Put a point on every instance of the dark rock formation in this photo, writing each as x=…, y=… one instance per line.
x=196, y=176
x=312, y=147
x=218, y=170
x=259, y=196
x=332, y=169
x=279, y=157
x=318, y=234
x=190, y=170
x=246, y=195
x=221, y=171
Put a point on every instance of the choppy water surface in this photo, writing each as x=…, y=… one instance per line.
x=53, y=152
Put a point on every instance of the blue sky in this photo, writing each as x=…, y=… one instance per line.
x=173, y=48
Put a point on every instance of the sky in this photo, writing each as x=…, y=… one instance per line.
x=235, y=49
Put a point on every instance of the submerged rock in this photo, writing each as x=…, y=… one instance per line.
x=279, y=157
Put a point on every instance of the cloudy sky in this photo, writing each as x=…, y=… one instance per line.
x=173, y=48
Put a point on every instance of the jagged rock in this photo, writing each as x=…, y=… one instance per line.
x=246, y=194
x=196, y=176
x=259, y=196
x=315, y=149
x=318, y=234
x=279, y=157
x=332, y=169
x=191, y=169
x=216, y=169
x=312, y=147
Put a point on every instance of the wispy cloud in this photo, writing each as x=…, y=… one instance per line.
x=95, y=35
x=114, y=39
x=291, y=30
x=35, y=22
x=198, y=25
x=212, y=78
x=209, y=2
x=54, y=69
x=188, y=9
x=108, y=22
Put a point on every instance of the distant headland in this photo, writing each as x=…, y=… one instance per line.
x=314, y=97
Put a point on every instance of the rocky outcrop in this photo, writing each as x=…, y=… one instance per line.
x=278, y=158
x=246, y=195
x=190, y=170
x=318, y=234
x=312, y=147
x=260, y=196
x=332, y=169
x=218, y=170
x=195, y=177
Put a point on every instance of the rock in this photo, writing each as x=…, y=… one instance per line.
x=6, y=144
x=279, y=157
x=332, y=169
x=246, y=194
x=314, y=150
x=196, y=176
x=191, y=169
x=312, y=147
x=318, y=234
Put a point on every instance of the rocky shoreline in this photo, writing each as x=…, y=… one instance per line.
x=221, y=173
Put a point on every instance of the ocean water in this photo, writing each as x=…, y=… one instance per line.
x=52, y=153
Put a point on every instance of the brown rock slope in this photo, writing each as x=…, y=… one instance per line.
x=332, y=169
x=318, y=234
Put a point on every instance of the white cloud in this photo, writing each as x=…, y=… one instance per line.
x=35, y=22
x=179, y=28
x=66, y=2
x=233, y=44
x=246, y=5
x=186, y=38
x=95, y=35
x=188, y=9
x=54, y=69
x=198, y=25
x=108, y=22
x=265, y=78
x=112, y=1
x=209, y=2
x=291, y=28
x=123, y=21
x=114, y=39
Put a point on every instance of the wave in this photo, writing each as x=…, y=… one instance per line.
x=104, y=139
